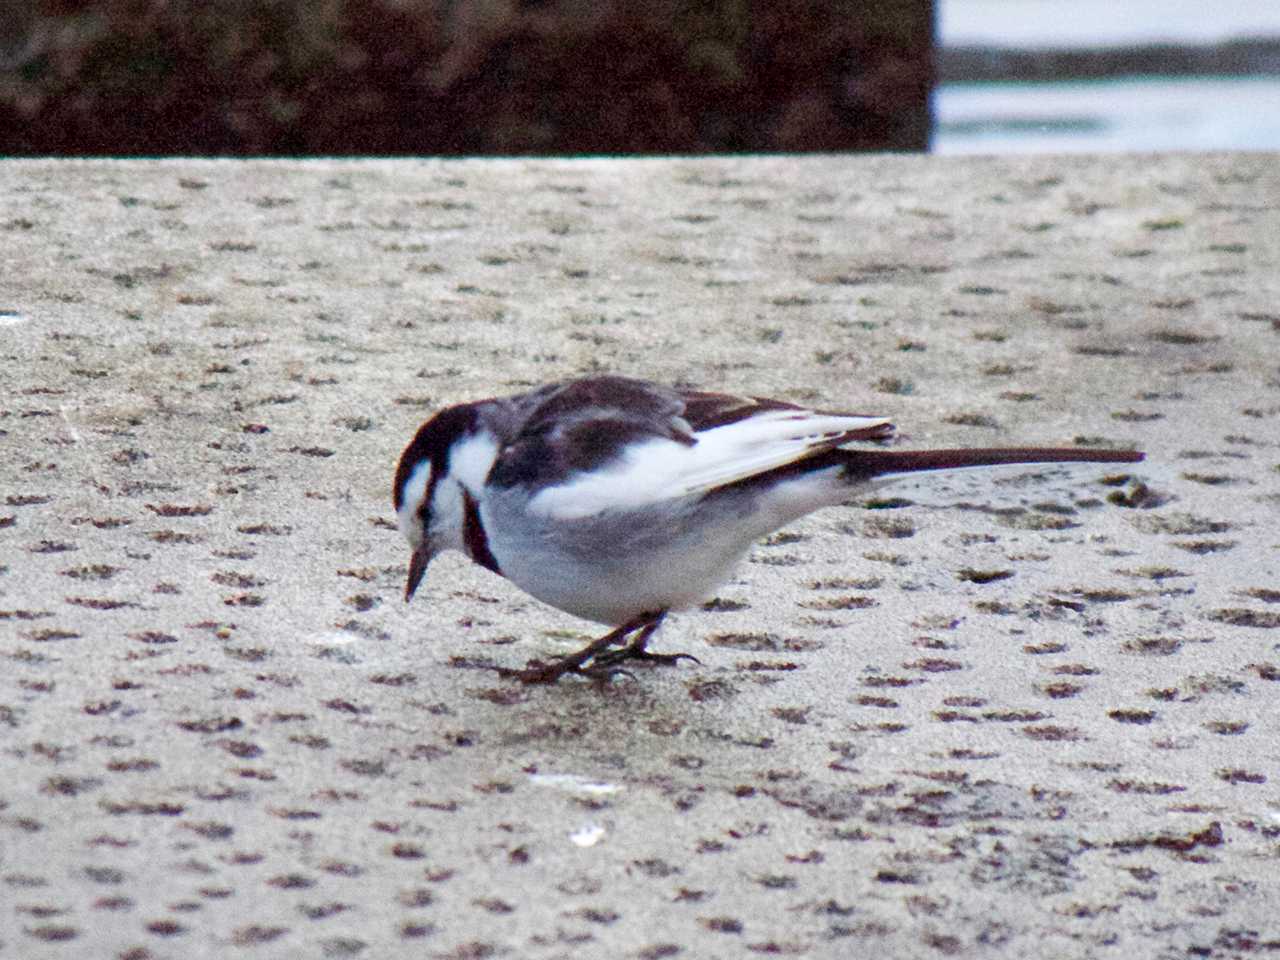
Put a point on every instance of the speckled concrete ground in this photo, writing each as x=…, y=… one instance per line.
x=1021, y=713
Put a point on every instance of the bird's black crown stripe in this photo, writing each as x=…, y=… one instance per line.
x=432, y=443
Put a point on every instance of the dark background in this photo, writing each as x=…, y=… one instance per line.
x=429, y=77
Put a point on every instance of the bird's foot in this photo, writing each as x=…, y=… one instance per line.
x=611, y=658
x=597, y=660
x=599, y=668
x=535, y=671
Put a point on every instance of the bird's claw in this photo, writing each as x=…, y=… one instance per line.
x=648, y=656
x=602, y=667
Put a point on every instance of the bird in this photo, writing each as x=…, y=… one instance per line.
x=618, y=499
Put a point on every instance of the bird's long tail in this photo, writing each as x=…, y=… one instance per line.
x=875, y=463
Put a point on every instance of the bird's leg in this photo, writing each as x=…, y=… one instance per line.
x=637, y=650
x=537, y=672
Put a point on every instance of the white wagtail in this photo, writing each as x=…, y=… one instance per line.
x=618, y=500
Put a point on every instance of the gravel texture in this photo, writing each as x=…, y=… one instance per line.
x=1020, y=712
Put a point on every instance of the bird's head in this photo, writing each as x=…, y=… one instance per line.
x=451, y=452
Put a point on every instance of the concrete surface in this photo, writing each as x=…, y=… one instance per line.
x=1031, y=712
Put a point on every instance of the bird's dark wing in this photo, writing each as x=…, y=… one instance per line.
x=609, y=443
x=706, y=411
x=582, y=425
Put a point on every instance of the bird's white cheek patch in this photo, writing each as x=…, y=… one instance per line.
x=472, y=459
x=411, y=501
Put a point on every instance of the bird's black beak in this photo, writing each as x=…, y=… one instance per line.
x=417, y=570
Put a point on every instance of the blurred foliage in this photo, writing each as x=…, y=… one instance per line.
x=290, y=77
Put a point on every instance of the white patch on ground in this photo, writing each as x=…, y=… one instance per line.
x=572, y=783
x=588, y=835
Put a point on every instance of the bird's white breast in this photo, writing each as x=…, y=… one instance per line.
x=614, y=565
